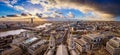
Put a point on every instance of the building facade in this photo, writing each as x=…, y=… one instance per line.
x=113, y=46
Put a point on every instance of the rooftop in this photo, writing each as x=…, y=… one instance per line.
x=93, y=36
x=81, y=42
x=14, y=32
x=30, y=40
x=38, y=44
x=115, y=42
x=62, y=50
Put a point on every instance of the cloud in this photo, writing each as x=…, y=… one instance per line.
x=98, y=9
x=13, y=1
x=35, y=1
x=104, y=8
x=5, y=1
x=9, y=1
x=19, y=7
x=70, y=15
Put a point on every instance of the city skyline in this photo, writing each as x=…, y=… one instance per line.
x=59, y=27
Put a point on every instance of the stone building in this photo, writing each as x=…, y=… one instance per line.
x=94, y=40
x=113, y=46
x=13, y=51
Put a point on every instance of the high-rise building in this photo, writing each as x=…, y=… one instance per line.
x=32, y=20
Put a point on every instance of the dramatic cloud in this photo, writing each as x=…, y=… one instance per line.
x=111, y=7
x=92, y=9
x=104, y=8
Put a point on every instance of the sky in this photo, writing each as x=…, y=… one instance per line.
x=105, y=10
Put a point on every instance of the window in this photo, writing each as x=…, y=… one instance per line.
x=94, y=41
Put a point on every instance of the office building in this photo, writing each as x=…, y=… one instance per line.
x=113, y=46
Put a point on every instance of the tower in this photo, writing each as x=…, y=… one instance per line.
x=32, y=20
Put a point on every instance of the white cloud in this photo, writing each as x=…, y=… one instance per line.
x=19, y=8
x=35, y=1
x=9, y=2
x=14, y=1
x=5, y=1
x=9, y=5
x=70, y=15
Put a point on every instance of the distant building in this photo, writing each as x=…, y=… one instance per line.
x=34, y=45
x=82, y=45
x=113, y=46
x=37, y=48
x=32, y=20
x=28, y=42
x=13, y=51
x=94, y=40
x=106, y=37
x=3, y=26
x=5, y=42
